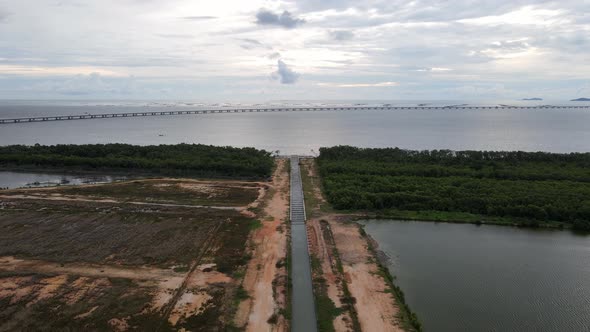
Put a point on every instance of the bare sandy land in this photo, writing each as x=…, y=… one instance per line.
x=190, y=304
x=376, y=309
x=167, y=281
x=175, y=296
x=263, y=278
x=322, y=249
x=9, y=263
x=57, y=197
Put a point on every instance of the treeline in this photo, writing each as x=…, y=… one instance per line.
x=532, y=186
x=180, y=159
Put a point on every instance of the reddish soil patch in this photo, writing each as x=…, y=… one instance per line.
x=265, y=277
x=96, y=259
x=376, y=309
x=323, y=248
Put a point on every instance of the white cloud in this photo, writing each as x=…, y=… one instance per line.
x=183, y=47
x=285, y=74
x=341, y=35
x=284, y=19
x=27, y=70
x=434, y=69
x=527, y=15
x=359, y=85
x=82, y=84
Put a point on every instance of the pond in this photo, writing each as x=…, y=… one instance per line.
x=33, y=180
x=463, y=277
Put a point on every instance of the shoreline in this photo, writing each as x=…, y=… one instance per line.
x=556, y=226
x=131, y=173
x=383, y=261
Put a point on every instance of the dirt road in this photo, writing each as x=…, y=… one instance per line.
x=266, y=276
x=338, y=242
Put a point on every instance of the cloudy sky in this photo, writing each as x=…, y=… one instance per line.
x=258, y=50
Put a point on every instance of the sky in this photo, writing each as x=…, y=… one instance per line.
x=260, y=50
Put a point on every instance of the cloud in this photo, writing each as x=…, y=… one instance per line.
x=174, y=35
x=432, y=69
x=479, y=90
x=77, y=85
x=41, y=71
x=527, y=45
x=274, y=55
x=504, y=49
x=198, y=18
x=511, y=45
x=527, y=15
x=585, y=89
x=285, y=20
x=285, y=74
x=249, y=43
x=92, y=84
x=359, y=85
x=341, y=35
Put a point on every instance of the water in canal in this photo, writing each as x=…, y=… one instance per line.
x=462, y=277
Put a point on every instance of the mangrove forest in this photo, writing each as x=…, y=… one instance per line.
x=179, y=159
x=529, y=188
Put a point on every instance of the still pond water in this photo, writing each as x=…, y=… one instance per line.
x=461, y=277
x=34, y=180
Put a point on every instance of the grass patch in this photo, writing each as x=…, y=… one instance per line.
x=167, y=192
x=242, y=294
x=181, y=269
x=255, y=224
x=311, y=201
x=231, y=241
x=158, y=238
x=287, y=312
x=326, y=310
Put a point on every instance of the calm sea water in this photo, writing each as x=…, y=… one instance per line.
x=301, y=132
x=460, y=277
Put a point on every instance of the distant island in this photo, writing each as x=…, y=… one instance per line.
x=581, y=99
x=532, y=99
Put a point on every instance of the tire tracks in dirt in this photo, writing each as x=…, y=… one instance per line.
x=168, y=308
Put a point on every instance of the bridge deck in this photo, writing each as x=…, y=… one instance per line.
x=280, y=109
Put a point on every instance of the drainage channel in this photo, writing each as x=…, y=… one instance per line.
x=303, y=316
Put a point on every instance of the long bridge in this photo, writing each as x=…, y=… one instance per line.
x=277, y=109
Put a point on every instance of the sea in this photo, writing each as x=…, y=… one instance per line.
x=303, y=133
